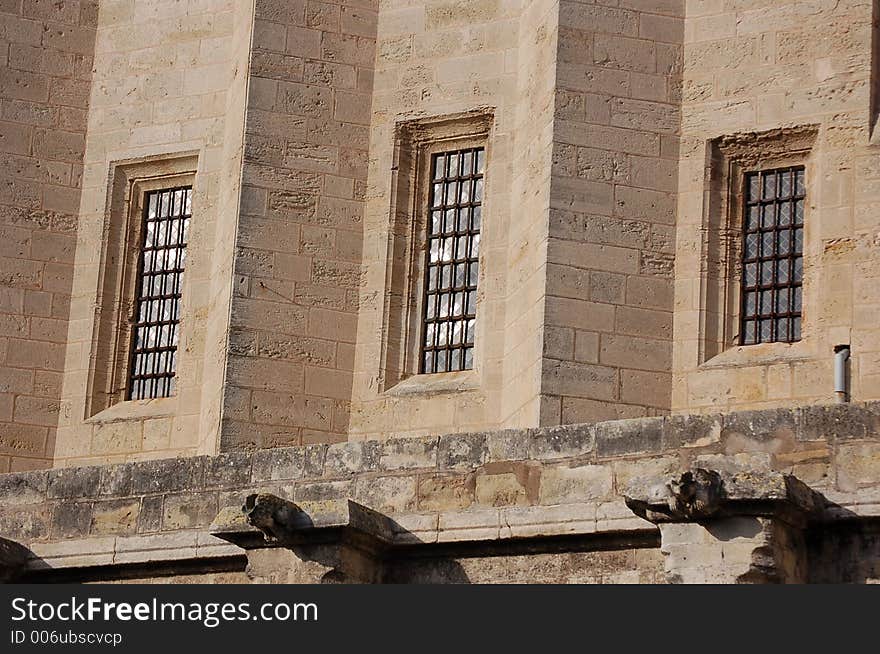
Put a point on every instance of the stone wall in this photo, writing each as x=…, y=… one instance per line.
x=608, y=317
x=525, y=283
x=163, y=78
x=465, y=506
x=612, y=129
x=771, y=68
x=437, y=59
x=583, y=287
x=614, y=566
x=300, y=232
x=46, y=53
x=217, y=332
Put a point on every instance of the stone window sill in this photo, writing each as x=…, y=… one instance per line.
x=136, y=410
x=759, y=355
x=447, y=382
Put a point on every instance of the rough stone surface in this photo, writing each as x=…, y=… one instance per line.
x=469, y=502
x=607, y=324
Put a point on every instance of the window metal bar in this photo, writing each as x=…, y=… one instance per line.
x=455, y=214
x=773, y=256
x=161, y=264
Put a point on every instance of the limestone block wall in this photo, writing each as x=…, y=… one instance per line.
x=45, y=66
x=515, y=505
x=163, y=77
x=585, y=272
x=773, y=68
x=217, y=333
x=609, y=263
x=525, y=286
x=299, y=235
x=437, y=59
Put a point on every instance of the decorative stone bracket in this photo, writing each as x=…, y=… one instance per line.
x=320, y=542
x=730, y=527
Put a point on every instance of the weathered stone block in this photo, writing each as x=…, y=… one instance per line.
x=635, y=477
x=115, y=517
x=320, y=491
x=466, y=451
x=386, y=494
x=858, y=465
x=445, y=492
x=150, y=515
x=504, y=489
x=351, y=458
x=228, y=470
x=626, y=437
x=23, y=488
x=168, y=475
x=189, y=510
x=74, y=482
x=71, y=520
x=836, y=423
x=409, y=453
x=115, y=480
x=275, y=465
x=566, y=485
x=760, y=431
x=691, y=431
x=508, y=445
x=563, y=442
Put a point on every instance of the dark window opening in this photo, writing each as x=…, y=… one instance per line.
x=773, y=256
x=452, y=269
x=161, y=264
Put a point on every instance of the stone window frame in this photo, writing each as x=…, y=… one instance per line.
x=415, y=143
x=116, y=296
x=729, y=160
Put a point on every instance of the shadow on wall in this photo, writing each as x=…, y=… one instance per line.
x=13, y=558
x=844, y=551
x=847, y=554
x=875, y=72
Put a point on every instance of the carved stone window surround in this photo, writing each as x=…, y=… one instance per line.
x=415, y=143
x=729, y=159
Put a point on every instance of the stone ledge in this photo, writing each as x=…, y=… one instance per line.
x=90, y=552
x=494, y=525
x=229, y=537
x=600, y=441
x=508, y=470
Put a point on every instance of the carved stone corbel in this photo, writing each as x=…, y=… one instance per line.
x=729, y=527
x=336, y=541
x=695, y=495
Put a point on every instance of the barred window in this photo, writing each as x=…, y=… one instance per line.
x=162, y=260
x=452, y=270
x=773, y=256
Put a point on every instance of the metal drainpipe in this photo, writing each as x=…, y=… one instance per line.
x=841, y=378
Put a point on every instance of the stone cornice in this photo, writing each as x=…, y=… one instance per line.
x=485, y=487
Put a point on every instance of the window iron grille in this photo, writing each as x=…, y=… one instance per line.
x=452, y=266
x=155, y=335
x=773, y=256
